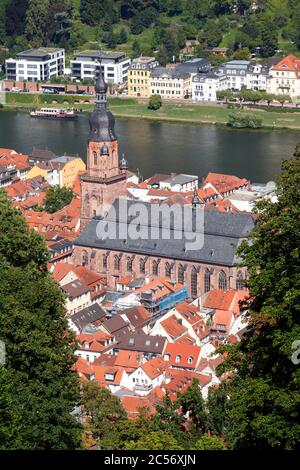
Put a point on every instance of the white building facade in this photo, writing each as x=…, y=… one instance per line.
x=206, y=86
x=114, y=66
x=36, y=65
x=284, y=78
x=170, y=83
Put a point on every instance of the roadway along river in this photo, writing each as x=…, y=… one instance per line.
x=160, y=146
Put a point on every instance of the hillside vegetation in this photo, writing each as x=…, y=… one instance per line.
x=159, y=27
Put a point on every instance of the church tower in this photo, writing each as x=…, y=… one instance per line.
x=105, y=179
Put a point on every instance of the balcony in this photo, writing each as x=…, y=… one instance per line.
x=143, y=387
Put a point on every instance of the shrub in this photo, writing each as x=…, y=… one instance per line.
x=155, y=102
x=239, y=121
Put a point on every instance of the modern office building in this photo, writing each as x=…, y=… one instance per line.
x=36, y=65
x=114, y=66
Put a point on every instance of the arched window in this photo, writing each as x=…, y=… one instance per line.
x=85, y=258
x=95, y=158
x=207, y=280
x=181, y=274
x=222, y=281
x=117, y=262
x=142, y=266
x=129, y=264
x=155, y=268
x=240, y=284
x=104, y=261
x=168, y=270
x=194, y=282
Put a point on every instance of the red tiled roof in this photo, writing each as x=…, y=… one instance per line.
x=129, y=360
x=289, y=63
x=154, y=367
x=181, y=380
x=222, y=205
x=189, y=312
x=225, y=300
x=224, y=183
x=133, y=405
x=173, y=327
x=188, y=355
x=222, y=317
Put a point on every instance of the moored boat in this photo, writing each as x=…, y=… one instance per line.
x=54, y=113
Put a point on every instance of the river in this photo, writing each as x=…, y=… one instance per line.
x=160, y=146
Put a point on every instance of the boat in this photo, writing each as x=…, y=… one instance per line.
x=54, y=113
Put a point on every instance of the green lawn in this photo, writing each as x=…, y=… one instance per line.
x=185, y=112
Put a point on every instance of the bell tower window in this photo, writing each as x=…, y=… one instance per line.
x=95, y=158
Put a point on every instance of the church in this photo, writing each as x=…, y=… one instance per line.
x=211, y=265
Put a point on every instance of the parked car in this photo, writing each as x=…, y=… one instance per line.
x=16, y=90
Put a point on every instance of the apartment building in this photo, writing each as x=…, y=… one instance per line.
x=35, y=65
x=236, y=73
x=257, y=77
x=139, y=76
x=114, y=66
x=284, y=77
x=170, y=83
x=206, y=86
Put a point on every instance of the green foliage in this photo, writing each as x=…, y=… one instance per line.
x=263, y=406
x=209, y=443
x=155, y=102
x=105, y=414
x=38, y=390
x=239, y=120
x=191, y=402
x=155, y=440
x=136, y=49
x=57, y=198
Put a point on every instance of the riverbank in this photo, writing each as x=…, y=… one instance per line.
x=173, y=112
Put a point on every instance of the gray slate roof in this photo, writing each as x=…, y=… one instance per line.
x=223, y=232
x=88, y=315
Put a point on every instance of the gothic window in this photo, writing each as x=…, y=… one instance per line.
x=85, y=258
x=117, y=262
x=129, y=265
x=222, y=281
x=155, y=268
x=95, y=158
x=142, y=266
x=239, y=281
x=168, y=270
x=207, y=280
x=105, y=261
x=194, y=282
x=181, y=274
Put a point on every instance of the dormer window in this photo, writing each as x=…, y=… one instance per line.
x=178, y=358
x=190, y=360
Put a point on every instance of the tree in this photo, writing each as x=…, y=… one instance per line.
x=209, y=443
x=122, y=38
x=269, y=43
x=155, y=440
x=283, y=99
x=226, y=95
x=192, y=403
x=242, y=54
x=57, y=198
x=155, y=102
x=38, y=390
x=136, y=50
x=104, y=413
x=15, y=14
x=216, y=406
x=264, y=397
x=37, y=22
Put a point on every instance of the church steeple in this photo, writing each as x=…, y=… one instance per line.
x=106, y=176
x=102, y=122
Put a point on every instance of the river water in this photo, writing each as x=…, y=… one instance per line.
x=159, y=146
